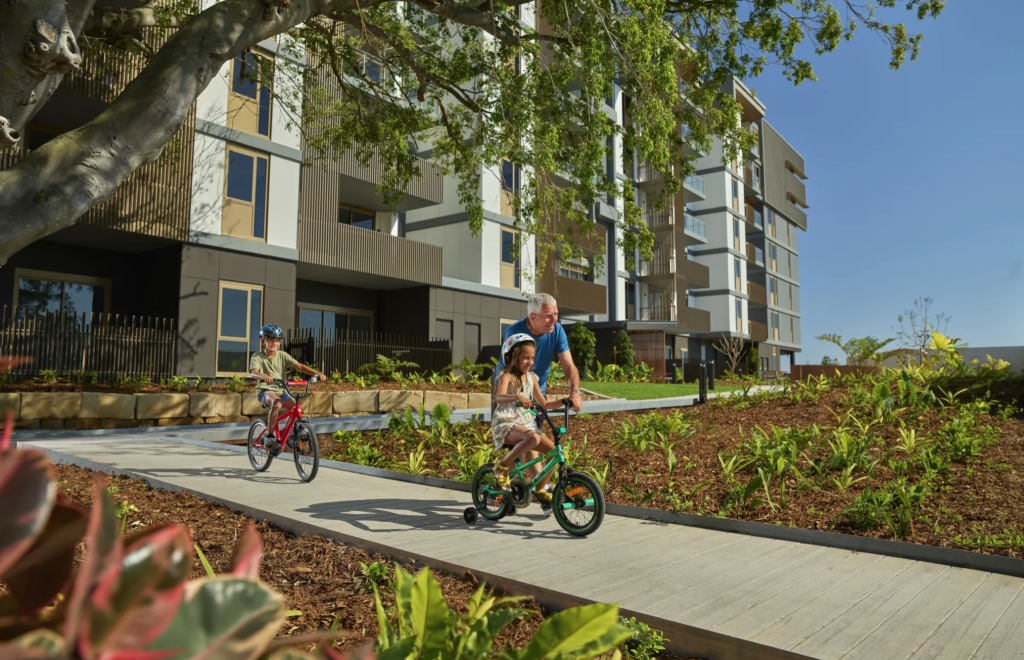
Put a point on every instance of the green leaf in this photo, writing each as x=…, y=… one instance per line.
x=291, y=613
x=28, y=494
x=206, y=564
x=386, y=635
x=430, y=616
x=400, y=650
x=403, y=602
x=476, y=642
x=44, y=642
x=570, y=631
x=224, y=617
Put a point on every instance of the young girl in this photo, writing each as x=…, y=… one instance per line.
x=512, y=423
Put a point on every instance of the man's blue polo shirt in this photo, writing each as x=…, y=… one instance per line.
x=548, y=346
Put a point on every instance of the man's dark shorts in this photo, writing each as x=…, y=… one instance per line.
x=284, y=396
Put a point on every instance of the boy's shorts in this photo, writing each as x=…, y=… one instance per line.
x=262, y=396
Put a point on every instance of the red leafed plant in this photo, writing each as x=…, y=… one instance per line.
x=131, y=598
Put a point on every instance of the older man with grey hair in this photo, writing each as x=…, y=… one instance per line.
x=542, y=324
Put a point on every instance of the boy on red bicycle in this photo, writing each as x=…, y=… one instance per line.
x=269, y=364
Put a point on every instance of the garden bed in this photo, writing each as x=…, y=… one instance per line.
x=324, y=580
x=645, y=391
x=956, y=482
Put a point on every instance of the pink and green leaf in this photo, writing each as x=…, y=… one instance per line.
x=28, y=495
x=248, y=551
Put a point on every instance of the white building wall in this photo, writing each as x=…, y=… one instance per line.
x=208, y=162
x=283, y=202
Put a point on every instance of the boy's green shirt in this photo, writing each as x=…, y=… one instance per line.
x=275, y=367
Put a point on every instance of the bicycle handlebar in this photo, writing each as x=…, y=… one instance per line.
x=285, y=383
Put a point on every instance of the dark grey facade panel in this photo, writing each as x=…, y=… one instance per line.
x=777, y=175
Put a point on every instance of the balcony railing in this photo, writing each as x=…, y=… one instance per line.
x=645, y=173
x=692, y=320
x=752, y=180
x=695, y=183
x=658, y=267
x=660, y=220
x=755, y=254
x=758, y=331
x=697, y=275
x=326, y=242
x=693, y=225
x=754, y=217
x=663, y=313
x=575, y=295
x=757, y=293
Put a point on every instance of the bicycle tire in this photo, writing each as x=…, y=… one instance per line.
x=567, y=485
x=259, y=458
x=481, y=481
x=308, y=455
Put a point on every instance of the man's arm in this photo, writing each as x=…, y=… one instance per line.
x=573, y=376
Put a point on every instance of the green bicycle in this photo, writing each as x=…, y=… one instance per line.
x=578, y=499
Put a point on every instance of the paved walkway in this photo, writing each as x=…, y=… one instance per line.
x=715, y=594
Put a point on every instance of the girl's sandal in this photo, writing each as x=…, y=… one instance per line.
x=501, y=477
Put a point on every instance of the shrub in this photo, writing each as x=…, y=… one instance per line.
x=582, y=344
x=753, y=362
x=624, y=354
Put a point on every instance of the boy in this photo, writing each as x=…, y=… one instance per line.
x=270, y=364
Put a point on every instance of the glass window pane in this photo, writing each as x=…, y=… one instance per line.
x=339, y=322
x=263, y=120
x=244, y=76
x=234, y=304
x=508, y=175
x=259, y=222
x=373, y=69
x=245, y=73
x=362, y=220
x=255, y=319
x=504, y=329
x=240, y=171
x=232, y=356
x=38, y=296
x=79, y=298
x=344, y=215
x=359, y=323
x=311, y=318
x=472, y=341
x=507, y=243
x=443, y=329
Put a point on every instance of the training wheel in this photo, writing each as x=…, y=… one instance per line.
x=469, y=515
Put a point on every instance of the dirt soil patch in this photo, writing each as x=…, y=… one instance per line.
x=975, y=504
x=321, y=578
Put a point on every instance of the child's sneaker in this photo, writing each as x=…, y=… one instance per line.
x=544, y=497
x=273, y=445
x=501, y=478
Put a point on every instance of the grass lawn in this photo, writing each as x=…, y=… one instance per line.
x=638, y=391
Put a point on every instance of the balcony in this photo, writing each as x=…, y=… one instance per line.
x=694, y=226
x=660, y=220
x=758, y=331
x=330, y=251
x=757, y=293
x=663, y=313
x=695, y=184
x=646, y=175
x=753, y=217
x=755, y=255
x=693, y=320
x=659, y=267
x=751, y=182
x=697, y=276
x=574, y=296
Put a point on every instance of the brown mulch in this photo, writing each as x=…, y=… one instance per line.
x=982, y=496
x=221, y=388
x=321, y=578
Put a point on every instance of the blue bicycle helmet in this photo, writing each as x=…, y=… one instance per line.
x=271, y=331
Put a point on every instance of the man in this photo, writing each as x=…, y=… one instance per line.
x=542, y=324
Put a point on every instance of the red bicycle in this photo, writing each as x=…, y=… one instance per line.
x=298, y=438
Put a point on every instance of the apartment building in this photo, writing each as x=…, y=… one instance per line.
x=230, y=231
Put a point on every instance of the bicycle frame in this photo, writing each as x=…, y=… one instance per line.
x=292, y=416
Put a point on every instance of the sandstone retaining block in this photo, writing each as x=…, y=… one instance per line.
x=479, y=400
x=208, y=404
x=10, y=401
x=50, y=405
x=350, y=402
x=453, y=400
x=101, y=405
x=161, y=406
x=399, y=400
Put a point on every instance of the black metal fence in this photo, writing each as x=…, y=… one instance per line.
x=107, y=344
x=345, y=351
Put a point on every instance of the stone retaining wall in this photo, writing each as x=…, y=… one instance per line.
x=100, y=410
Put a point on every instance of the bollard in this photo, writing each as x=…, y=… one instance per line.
x=702, y=383
x=711, y=375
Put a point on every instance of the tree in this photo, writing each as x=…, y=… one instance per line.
x=917, y=326
x=864, y=351
x=581, y=346
x=829, y=362
x=463, y=80
x=753, y=361
x=732, y=349
x=625, y=356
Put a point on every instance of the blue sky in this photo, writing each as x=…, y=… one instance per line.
x=911, y=176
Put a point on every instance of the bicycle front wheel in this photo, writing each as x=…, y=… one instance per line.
x=579, y=504
x=491, y=505
x=259, y=458
x=306, y=453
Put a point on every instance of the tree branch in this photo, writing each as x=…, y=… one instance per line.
x=120, y=22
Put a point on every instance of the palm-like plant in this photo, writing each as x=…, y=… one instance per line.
x=865, y=351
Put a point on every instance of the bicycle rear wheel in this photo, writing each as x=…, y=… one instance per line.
x=578, y=504
x=306, y=453
x=259, y=458
x=490, y=505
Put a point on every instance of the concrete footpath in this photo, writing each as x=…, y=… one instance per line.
x=714, y=594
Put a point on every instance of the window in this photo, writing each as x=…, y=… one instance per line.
x=40, y=292
x=334, y=321
x=350, y=215
x=757, y=219
x=756, y=178
x=735, y=195
x=510, y=181
x=509, y=259
x=365, y=65
x=792, y=331
x=736, y=270
x=505, y=325
x=249, y=104
x=736, y=234
x=770, y=218
x=472, y=341
x=739, y=316
x=631, y=300
x=775, y=326
x=773, y=291
x=791, y=297
x=240, y=316
x=576, y=270
x=245, y=195
x=773, y=257
x=443, y=329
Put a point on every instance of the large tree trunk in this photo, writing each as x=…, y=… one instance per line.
x=56, y=184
